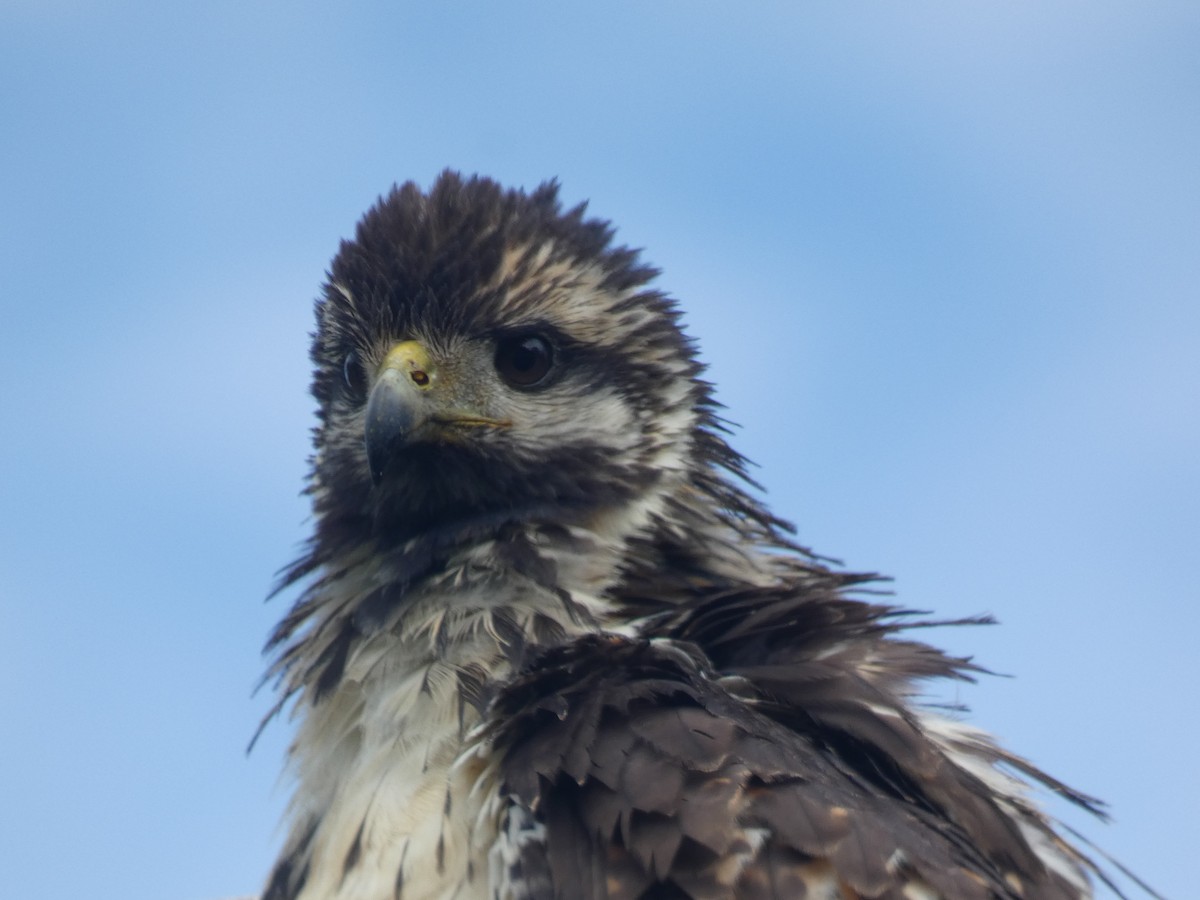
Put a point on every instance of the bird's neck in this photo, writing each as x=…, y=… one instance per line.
x=389, y=774
x=393, y=654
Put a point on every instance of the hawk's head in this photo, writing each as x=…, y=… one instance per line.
x=481, y=354
x=500, y=390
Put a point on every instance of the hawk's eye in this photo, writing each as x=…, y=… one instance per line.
x=525, y=360
x=354, y=373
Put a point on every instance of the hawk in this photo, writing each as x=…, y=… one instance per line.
x=550, y=643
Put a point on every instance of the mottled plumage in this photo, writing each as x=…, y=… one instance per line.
x=549, y=645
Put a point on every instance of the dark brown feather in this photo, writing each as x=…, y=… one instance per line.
x=717, y=797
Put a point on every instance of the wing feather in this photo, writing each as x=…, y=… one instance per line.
x=689, y=788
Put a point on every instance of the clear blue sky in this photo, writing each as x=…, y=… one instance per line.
x=944, y=262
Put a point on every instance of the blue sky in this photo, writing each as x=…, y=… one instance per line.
x=943, y=261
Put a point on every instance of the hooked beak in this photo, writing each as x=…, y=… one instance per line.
x=410, y=401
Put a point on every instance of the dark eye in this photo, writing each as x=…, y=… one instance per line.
x=524, y=361
x=354, y=373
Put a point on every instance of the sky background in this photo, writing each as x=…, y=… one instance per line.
x=943, y=261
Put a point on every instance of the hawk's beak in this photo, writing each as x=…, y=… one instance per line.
x=396, y=406
x=412, y=400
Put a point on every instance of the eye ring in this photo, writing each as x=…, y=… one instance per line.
x=354, y=373
x=525, y=360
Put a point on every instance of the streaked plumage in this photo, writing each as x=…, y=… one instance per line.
x=550, y=646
